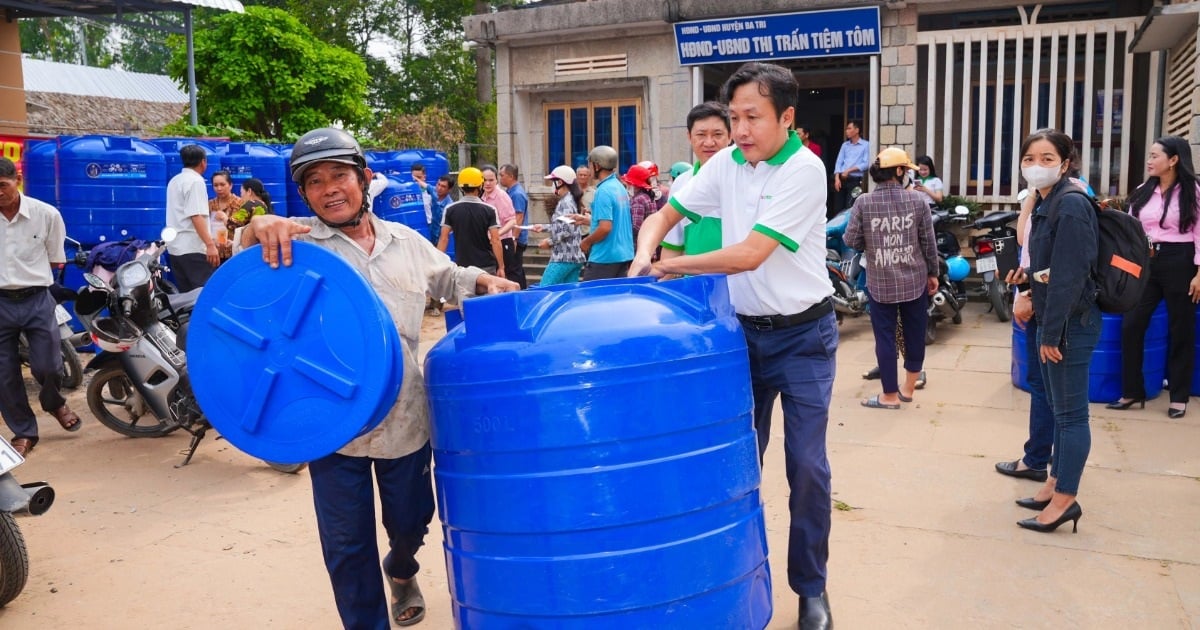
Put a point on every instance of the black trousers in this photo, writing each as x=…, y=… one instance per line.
x=191, y=271
x=33, y=316
x=1171, y=270
x=844, y=200
x=514, y=261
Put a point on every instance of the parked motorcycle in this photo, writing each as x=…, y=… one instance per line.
x=16, y=499
x=141, y=387
x=846, y=270
x=951, y=296
x=995, y=256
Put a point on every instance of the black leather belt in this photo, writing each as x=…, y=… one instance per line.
x=21, y=294
x=776, y=322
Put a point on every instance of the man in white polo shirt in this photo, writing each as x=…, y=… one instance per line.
x=769, y=192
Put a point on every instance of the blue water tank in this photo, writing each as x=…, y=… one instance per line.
x=379, y=161
x=402, y=162
x=111, y=187
x=436, y=164
x=294, y=200
x=586, y=492
x=402, y=202
x=41, y=180
x=1104, y=383
x=244, y=160
x=170, y=149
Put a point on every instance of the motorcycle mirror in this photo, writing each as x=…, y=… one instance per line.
x=96, y=282
x=961, y=211
x=168, y=234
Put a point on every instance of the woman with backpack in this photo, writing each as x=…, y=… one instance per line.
x=1063, y=249
x=1166, y=206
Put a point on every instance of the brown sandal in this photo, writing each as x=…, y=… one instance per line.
x=67, y=419
x=22, y=445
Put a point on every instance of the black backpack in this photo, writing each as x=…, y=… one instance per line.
x=1123, y=263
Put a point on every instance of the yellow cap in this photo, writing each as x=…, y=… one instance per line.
x=892, y=157
x=470, y=177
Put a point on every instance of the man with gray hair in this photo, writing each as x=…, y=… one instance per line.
x=609, y=247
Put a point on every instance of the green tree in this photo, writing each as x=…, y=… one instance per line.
x=263, y=71
x=67, y=40
x=143, y=49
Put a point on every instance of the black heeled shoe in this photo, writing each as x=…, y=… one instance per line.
x=1176, y=414
x=1073, y=514
x=1033, y=504
x=1140, y=402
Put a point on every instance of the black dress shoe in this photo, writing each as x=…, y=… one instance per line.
x=815, y=613
x=1010, y=469
x=1073, y=514
x=871, y=374
x=1033, y=504
x=1121, y=406
x=1176, y=414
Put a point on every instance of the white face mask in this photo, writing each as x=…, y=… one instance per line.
x=1040, y=177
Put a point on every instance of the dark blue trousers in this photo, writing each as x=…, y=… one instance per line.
x=1067, y=393
x=345, y=501
x=799, y=363
x=33, y=316
x=914, y=314
x=1041, y=416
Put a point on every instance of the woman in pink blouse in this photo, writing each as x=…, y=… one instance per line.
x=1166, y=205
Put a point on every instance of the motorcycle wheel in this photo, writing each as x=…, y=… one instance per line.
x=930, y=331
x=996, y=297
x=14, y=559
x=111, y=393
x=72, y=372
x=290, y=469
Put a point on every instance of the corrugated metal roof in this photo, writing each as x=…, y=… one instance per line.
x=65, y=78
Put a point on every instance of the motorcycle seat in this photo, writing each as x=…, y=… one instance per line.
x=996, y=220
x=183, y=301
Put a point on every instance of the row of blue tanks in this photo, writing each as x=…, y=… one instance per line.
x=114, y=187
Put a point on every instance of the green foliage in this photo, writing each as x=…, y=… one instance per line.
x=181, y=128
x=263, y=71
x=143, y=49
x=432, y=128
x=67, y=40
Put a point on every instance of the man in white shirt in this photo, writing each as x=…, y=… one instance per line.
x=31, y=237
x=769, y=192
x=193, y=253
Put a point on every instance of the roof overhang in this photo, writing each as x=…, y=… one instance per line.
x=111, y=11
x=1165, y=26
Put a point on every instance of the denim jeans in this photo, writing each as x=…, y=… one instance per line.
x=1067, y=392
x=1041, y=416
x=799, y=362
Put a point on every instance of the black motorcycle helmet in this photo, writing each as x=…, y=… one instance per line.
x=330, y=145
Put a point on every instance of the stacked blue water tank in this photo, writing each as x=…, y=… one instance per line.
x=111, y=187
x=436, y=164
x=244, y=160
x=402, y=162
x=41, y=180
x=170, y=148
x=402, y=202
x=295, y=202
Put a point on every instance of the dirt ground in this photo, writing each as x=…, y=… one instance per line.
x=924, y=532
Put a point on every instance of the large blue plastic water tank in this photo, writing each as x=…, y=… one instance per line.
x=111, y=187
x=295, y=206
x=41, y=180
x=170, y=149
x=244, y=160
x=379, y=161
x=436, y=164
x=610, y=482
x=402, y=162
x=1104, y=384
x=402, y=202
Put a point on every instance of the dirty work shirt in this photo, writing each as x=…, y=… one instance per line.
x=894, y=228
x=403, y=268
x=612, y=204
x=187, y=197
x=782, y=197
x=692, y=238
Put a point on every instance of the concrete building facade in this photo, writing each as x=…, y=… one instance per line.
x=962, y=81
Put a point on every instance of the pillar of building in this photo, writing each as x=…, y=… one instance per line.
x=897, y=113
x=12, y=81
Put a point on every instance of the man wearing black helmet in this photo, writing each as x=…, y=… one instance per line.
x=405, y=269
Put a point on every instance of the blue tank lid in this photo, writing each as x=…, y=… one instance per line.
x=291, y=364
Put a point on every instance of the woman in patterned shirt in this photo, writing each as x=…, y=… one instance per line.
x=566, y=258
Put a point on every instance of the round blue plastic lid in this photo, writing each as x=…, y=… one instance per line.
x=291, y=364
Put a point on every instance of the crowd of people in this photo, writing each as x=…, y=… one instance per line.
x=752, y=205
